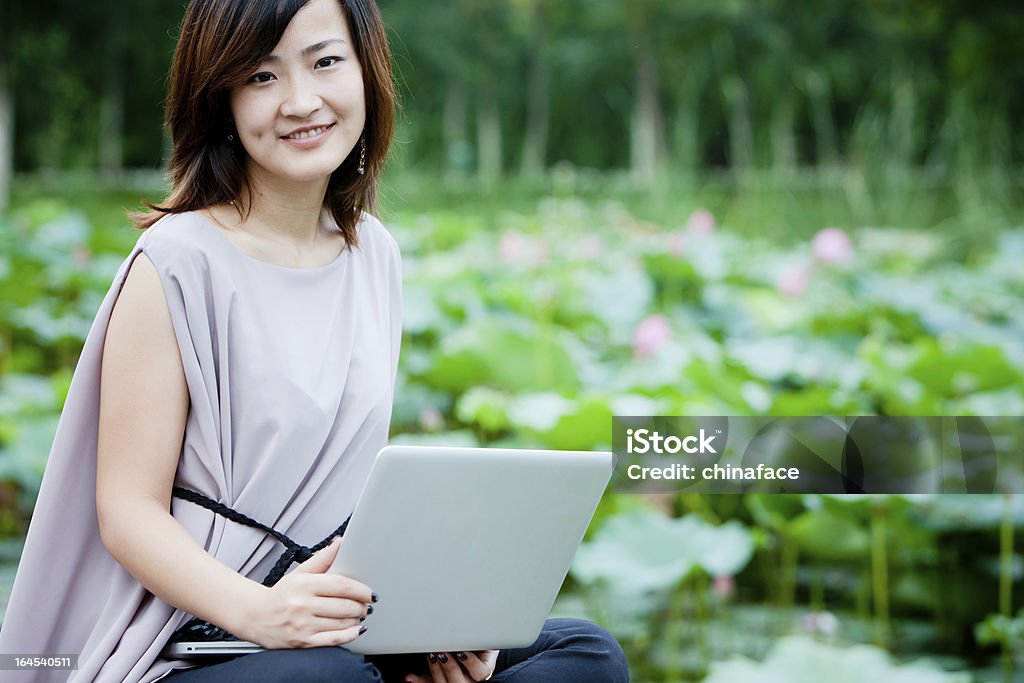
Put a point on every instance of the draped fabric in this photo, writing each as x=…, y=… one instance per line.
x=291, y=376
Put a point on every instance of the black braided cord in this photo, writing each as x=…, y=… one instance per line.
x=197, y=630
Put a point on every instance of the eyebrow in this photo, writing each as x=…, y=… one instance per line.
x=315, y=47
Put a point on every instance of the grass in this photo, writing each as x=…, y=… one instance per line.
x=969, y=210
x=783, y=208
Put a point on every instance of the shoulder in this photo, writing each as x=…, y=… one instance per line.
x=177, y=230
x=140, y=290
x=374, y=236
x=180, y=240
x=378, y=247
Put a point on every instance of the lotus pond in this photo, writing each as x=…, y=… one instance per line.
x=533, y=322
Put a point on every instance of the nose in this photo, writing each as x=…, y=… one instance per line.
x=301, y=99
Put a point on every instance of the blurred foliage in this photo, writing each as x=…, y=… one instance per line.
x=492, y=86
x=1005, y=632
x=535, y=326
x=797, y=658
x=621, y=208
x=641, y=551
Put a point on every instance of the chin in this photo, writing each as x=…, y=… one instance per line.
x=307, y=175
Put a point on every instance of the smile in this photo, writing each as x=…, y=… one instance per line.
x=308, y=133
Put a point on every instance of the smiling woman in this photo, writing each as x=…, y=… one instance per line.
x=237, y=383
x=250, y=81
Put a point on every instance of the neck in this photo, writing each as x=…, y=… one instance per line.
x=286, y=211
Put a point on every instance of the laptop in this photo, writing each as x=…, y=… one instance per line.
x=466, y=547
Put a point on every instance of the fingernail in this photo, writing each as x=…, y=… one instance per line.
x=374, y=597
x=362, y=630
x=432, y=658
x=362, y=618
x=443, y=657
x=462, y=655
x=369, y=609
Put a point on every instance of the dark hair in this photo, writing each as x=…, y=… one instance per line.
x=221, y=43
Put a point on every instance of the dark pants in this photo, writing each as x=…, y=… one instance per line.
x=567, y=651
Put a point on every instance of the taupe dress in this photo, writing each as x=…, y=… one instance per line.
x=291, y=376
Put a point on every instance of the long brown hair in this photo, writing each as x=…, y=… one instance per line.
x=221, y=43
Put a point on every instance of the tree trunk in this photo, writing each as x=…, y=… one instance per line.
x=686, y=125
x=6, y=136
x=456, y=144
x=535, y=139
x=111, y=143
x=488, y=132
x=820, y=94
x=902, y=133
x=647, y=135
x=784, y=156
x=741, y=129
x=7, y=31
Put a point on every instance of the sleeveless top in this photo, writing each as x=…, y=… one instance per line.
x=290, y=374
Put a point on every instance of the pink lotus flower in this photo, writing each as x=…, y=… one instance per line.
x=701, y=222
x=793, y=282
x=515, y=248
x=80, y=256
x=724, y=586
x=824, y=623
x=512, y=247
x=431, y=419
x=832, y=245
x=650, y=335
x=591, y=247
x=676, y=243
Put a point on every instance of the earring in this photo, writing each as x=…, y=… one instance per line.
x=362, y=156
x=231, y=137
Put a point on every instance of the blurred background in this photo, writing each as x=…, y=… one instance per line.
x=646, y=207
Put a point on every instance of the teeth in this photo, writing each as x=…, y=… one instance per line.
x=307, y=134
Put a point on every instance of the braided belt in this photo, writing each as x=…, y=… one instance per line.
x=197, y=629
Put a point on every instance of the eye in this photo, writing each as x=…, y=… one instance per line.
x=261, y=77
x=328, y=61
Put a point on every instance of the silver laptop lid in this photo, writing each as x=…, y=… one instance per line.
x=467, y=547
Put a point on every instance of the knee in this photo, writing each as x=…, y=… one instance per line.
x=605, y=660
x=329, y=665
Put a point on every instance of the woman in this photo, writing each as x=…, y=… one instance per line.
x=239, y=379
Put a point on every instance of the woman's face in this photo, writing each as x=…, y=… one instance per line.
x=312, y=80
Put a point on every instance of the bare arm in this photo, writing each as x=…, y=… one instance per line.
x=143, y=406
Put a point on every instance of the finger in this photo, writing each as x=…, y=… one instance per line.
x=437, y=672
x=480, y=665
x=490, y=658
x=338, y=586
x=336, y=637
x=321, y=560
x=340, y=608
x=413, y=678
x=318, y=624
x=452, y=670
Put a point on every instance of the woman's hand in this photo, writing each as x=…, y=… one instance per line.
x=458, y=667
x=308, y=607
